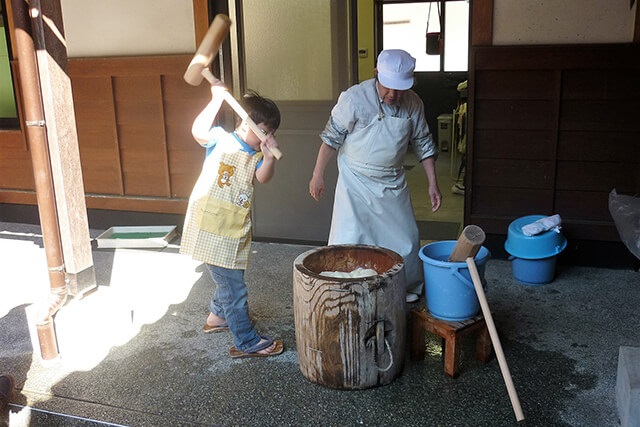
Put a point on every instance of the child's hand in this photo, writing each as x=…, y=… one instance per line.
x=269, y=141
x=217, y=85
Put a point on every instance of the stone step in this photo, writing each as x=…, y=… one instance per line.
x=628, y=386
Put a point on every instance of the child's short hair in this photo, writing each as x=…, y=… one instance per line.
x=261, y=109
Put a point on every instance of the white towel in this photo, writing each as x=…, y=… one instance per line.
x=543, y=224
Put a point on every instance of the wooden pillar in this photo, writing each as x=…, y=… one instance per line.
x=57, y=100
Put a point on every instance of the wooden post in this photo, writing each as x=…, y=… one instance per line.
x=60, y=124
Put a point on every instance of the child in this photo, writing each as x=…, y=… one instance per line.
x=217, y=228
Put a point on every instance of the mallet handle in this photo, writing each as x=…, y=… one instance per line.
x=493, y=333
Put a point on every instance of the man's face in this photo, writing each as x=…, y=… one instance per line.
x=390, y=96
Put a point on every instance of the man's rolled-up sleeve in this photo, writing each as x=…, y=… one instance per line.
x=340, y=123
x=422, y=138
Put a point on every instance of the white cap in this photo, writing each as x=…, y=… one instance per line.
x=395, y=69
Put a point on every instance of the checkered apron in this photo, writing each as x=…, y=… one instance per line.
x=217, y=227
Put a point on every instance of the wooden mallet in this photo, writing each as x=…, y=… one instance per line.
x=467, y=246
x=199, y=68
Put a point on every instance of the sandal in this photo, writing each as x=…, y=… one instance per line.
x=254, y=351
x=223, y=327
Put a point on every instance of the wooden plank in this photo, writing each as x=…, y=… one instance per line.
x=636, y=27
x=16, y=169
x=140, y=121
x=618, y=146
x=17, y=86
x=200, y=19
x=590, y=230
x=583, y=205
x=18, y=197
x=599, y=115
x=616, y=84
x=572, y=229
x=482, y=23
x=13, y=139
x=129, y=66
x=99, y=175
x=492, y=224
x=510, y=202
x=596, y=176
x=97, y=135
x=514, y=114
x=137, y=204
x=527, y=144
x=557, y=57
x=515, y=84
x=182, y=184
x=509, y=173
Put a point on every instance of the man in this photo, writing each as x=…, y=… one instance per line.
x=370, y=127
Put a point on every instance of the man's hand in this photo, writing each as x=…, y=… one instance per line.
x=316, y=187
x=436, y=197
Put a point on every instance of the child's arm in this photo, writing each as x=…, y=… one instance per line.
x=202, y=124
x=265, y=172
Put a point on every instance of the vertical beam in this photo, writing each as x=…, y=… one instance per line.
x=37, y=137
x=482, y=23
x=57, y=100
x=636, y=28
x=200, y=19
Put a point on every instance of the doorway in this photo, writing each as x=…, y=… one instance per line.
x=298, y=54
x=440, y=81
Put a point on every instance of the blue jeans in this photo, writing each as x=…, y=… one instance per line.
x=229, y=301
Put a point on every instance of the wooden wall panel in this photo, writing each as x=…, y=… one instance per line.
x=599, y=115
x=492, y=202
x=583, y=205
x=518, y=85
x=97, y=135
x=142, y=110
x=553, y=131
x=140, y=122
x=513, y=173
x=134, y=117
x=616, y=83
x=595, y=176
x=530, y=144
x=153, y=109
x=619, y=147
x=181, y=106
x=514, y=114
x=15, y=162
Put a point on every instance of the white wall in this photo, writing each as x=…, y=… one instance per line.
x=562, y=21
x=97, y=28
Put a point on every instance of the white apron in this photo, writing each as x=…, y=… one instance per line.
x=372, y=202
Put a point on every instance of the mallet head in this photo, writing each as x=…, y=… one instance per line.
x=208, y=49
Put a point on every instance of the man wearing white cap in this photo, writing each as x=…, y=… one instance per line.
x=370, y=127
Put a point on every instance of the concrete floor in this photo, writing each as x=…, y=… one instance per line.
x=132, y=353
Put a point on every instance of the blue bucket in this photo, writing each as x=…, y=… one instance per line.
x=534, y=272
x=533, y=257
x=449, y=289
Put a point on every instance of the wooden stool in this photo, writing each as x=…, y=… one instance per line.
x=452, y=333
